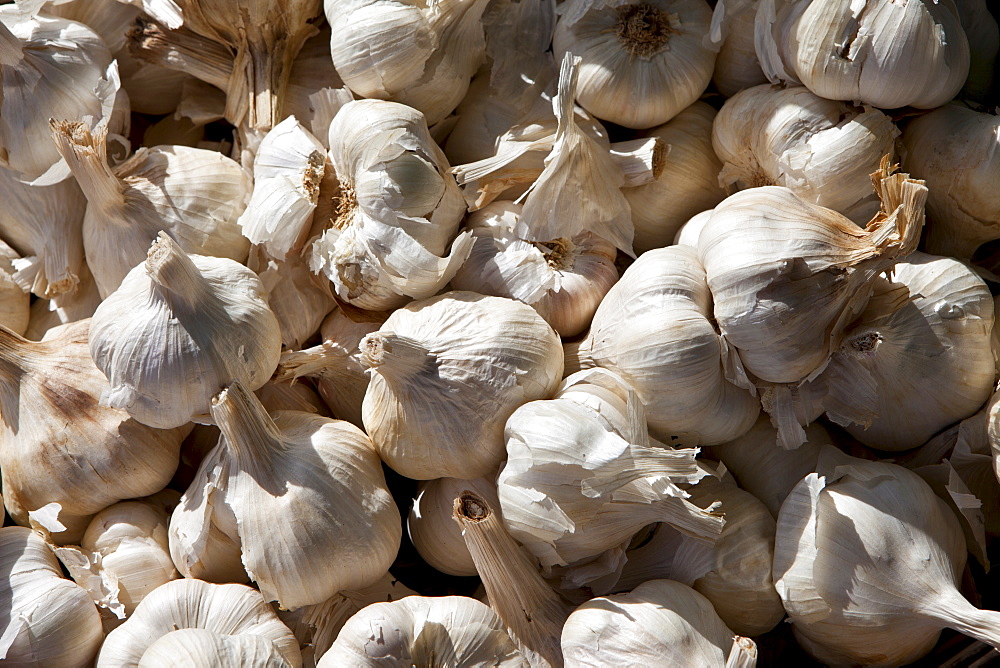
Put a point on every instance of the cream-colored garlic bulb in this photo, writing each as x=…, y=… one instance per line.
x=179, y=329
x=420, y=56
x=14, y=300
x=446, y=373
x=954, y=149
x=227, y=610
x=821, y=150
x=660, y=622
x=195, y=195
x=563, y=279
x=643, y=62
x=420, y=630
x=576, y=484
x=788, y=276
x=655, y=329
x=918, y=358
x=687, y=185
x=880, y=52
x=315, y=91
x=867, y=562
x=46, y=620
x=731, y=34
x=392, y=238
x=689, y=232
x=59, y=447
x=201, y=648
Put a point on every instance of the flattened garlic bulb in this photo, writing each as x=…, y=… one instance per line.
x=643, y=62
x=821, y=150
x=179, y=329
x=446, y=373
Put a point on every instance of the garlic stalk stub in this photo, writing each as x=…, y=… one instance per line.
x=178, y=330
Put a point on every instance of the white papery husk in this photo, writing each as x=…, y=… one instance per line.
x=643, y=62
x=420, y=56
x=52, y=68
x=660, y=622
x=178, y=330
x=446, y=373
x=821, y=150
x=563, y=279
x=201, y=648
x=64, y=308
x=195, y=195
x=917, y=359
x=655, y=329
x=867, y=562
x=878, y=52
x=398, y=213
x=955, y=150
x=14, y=300
x=315, y=92
x=421, y=630
x=687, y=185
x=689, y=232
x=46, y=620
x=576, y=484
x=60, y=449
x=731, y=34
x=229, y=609
x=788, y=276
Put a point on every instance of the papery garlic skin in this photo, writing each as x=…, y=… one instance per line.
x=178, y=330
x=14, y=300
x=732, y=35
x=201, y=648
x=643, y=62
x=299, y=298
x=446, y=373
x=879, y=52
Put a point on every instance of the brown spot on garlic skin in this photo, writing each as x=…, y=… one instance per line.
x=643, y=29
x=314, y=176
x=560, y=255
x=866, y=343
x=470, y=506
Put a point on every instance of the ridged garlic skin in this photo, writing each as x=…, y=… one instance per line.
x=446, y=373
x=643, y=62
x=880, y=52
x=823, y=151
x=655, y=329
x=46, y=620
x=732, y=35
x=201, y=648
x=178, y=330
x=14, y=300
x=424, y=631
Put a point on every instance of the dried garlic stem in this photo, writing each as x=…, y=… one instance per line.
x=394, y=355
x=181, y=50
x=250, y=433
x=86, y=154
x=178, y=279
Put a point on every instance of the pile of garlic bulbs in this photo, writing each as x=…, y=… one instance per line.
x=529, y=333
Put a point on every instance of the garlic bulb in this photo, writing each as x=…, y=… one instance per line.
x=732, y=36
x=424, y=631
x=867, y=562
x=201, y=648
x=69, y=73
x=788, y=276
x=46, y=620
x=564, y=279
x=398, y=210
x=643, y=62
x=576, y=484
x=59, y=446
x=446, y=373
x=689, y=232
x=14, y=300
x=178, y=330
x=660, y=622
x=883, y=53
x=299, y=299
x=821, y=150
x=420, y=56
x=654, y=328
x=228, y=610
x=193, y=194
x=917, y=359
x=687, y=185
x=954, y=149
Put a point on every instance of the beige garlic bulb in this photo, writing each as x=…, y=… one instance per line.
x=687, y=185
x=643, y=62
x=654, y=328
x=46, y=620
x=393, y=235
x=179, y=329
x=446, y=373
x=563, y=279
x=883, y=53
x=195, y=195
x=59, y=448
x=783, y=299
x=420, y=56
x=689, y=232
x=201, y=648
x=660, y=622
x=867, y=562
x=821, y=150
x=731, y=34
x=14, y=300
x=227, y=610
